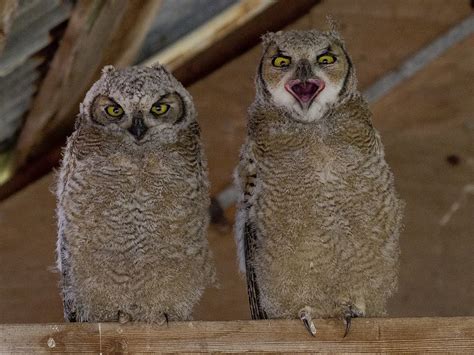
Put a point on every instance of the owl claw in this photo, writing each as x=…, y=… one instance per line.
x=351, y=312
x=123, y=317
x=348, y=320
x=305, y=316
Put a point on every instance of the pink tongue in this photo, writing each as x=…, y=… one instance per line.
x=304, y=91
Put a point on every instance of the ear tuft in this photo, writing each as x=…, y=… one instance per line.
x=269, y=38
x=332, y=23
x=162, y=69
x=108, y=69
x=334, y=28
x=157, y=66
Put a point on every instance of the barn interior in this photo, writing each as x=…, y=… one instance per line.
x=414, y=61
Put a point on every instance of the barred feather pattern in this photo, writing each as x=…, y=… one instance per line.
x=132, y=224
x=324, y=209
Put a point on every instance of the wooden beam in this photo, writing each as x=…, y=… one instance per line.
x=367, y=335
x=224, y=38
x=213, y=31
x=99, y=33
x=228, y=35
x=7, y=13
x=30, y=172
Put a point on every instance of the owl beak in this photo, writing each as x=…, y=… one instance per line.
x=304, y=91
x=138, y=128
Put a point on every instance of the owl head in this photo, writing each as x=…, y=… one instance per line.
x=137, y=103
x=305, y=72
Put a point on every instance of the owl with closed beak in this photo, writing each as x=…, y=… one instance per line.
x=132, y=202
x=318, y=217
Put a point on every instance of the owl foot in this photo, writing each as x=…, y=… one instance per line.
x=349, y=313
x=124, y=317
x=305, y=316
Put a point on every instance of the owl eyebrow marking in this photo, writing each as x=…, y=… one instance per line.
x=281, y=52
x=326, y=51
x=164, y=97
x=281, y=55
x=112, y=100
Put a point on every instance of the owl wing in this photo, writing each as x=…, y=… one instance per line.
x=63, y=257
x=69, y=301
x=253, y=291
x=246, y=230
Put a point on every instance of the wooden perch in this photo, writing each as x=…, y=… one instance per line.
x=367, y=335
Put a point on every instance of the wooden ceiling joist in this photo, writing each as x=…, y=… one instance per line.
x=7, y=11
x=228, y=35
x=98, y=34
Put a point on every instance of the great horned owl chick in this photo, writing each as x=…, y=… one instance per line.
x=318, y=218
x=132, y=202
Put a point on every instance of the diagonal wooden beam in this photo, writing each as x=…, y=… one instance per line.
x=225, y=37
x=228, y=35
x=99, y=32
x=7, y=13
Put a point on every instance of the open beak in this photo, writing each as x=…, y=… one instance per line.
x=138, y=128
x=304, y=91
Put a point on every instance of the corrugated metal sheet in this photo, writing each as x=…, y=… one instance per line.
x=31, y=32
x=16, y=93
x=175, y=19
x=19, y=62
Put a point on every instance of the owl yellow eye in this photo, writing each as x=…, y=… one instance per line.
x=114, y=110
x=326, y=59
x=281, y=61
x=159, y=109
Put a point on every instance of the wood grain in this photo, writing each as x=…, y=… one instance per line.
x=227, y=36
x=367, y=335
x=203, y=38
x=98, y=33
x=7, y=13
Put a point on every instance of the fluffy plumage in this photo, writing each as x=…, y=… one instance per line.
x=132, y=202
x=318, y=217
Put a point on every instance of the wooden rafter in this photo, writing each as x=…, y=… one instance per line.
x=7, y=12
x=72, y=72
x=99, y=33
x=228, y=35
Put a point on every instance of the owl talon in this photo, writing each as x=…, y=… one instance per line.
x=305, y=316
x=350, y=313
x=348, y=320
x=167, y=320
x=123, y=317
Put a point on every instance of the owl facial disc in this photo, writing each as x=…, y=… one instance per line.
x=304, y=91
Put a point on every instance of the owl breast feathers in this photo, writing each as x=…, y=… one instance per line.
x=318, y=217
x=133, y=202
